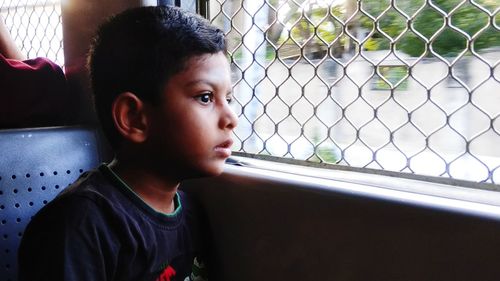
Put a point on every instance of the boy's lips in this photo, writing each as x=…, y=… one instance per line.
x=224, y=149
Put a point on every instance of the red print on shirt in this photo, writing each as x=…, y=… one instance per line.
x=167, y=273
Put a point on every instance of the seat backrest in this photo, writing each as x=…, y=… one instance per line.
x=35, y=165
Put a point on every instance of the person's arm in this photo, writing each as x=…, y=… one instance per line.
x=8, y=47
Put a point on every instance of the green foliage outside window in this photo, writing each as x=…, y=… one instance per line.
x=430, y=22
x=316, y=27
x=394, y=74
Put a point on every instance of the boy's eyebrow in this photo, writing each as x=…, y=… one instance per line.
x=199, y=81
x=204, y=81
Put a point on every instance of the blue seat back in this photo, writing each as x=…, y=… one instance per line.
x=35, y=165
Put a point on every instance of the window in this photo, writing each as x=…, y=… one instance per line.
x=36, y=27
x=391, y=76
x=404, y=85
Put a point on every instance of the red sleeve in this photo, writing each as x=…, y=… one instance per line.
x=34, y=94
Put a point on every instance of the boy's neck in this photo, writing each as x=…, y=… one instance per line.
x=153, y=189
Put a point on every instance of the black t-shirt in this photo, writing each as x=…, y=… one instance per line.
x=99, y=229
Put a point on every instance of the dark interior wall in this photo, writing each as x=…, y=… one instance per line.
x=272, y=228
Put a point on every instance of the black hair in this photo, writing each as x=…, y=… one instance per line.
x=139, y=50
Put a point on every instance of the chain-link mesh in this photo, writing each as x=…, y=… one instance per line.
x=35, y=26
x=401, y=85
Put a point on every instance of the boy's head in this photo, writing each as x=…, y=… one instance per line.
x=159, y=77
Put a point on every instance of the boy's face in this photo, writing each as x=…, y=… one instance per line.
x=191, y=128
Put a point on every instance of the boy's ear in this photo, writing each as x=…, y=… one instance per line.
x=130, y=117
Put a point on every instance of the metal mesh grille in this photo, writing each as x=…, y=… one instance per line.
x=401, y=85
x=35, y=26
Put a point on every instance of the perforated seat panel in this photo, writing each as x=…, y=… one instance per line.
x=35, y=165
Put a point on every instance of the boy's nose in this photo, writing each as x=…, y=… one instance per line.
x=228, y=120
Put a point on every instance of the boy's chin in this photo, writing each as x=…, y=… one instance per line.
x=212, y=171
x=215, y=172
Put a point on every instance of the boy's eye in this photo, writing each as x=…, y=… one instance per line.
x=205, y=98
x=229, y=99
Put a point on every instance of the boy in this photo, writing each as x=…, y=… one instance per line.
x=161, y=86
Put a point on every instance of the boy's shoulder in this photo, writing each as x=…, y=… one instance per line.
x=82, y=200
x=94, y=218
x=97, y=196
